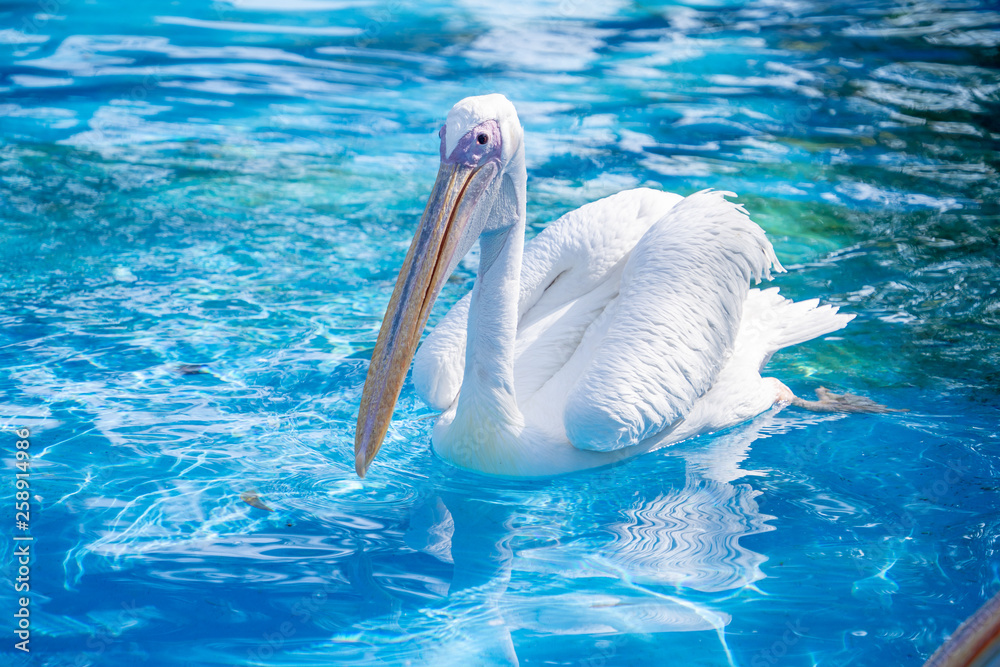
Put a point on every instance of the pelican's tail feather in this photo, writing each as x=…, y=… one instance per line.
x=781, y=322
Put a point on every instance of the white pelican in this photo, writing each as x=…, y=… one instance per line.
x=625, y=325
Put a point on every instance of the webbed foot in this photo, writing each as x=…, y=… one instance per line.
x=830, y=402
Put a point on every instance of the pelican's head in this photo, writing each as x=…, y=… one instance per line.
x=480, y=188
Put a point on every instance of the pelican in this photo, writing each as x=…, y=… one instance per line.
x=626, y=325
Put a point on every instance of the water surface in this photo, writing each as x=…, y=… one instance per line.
x=233, y=185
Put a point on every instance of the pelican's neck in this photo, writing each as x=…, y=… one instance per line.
x=488, y=383
x=489, y=356
x=485, y=431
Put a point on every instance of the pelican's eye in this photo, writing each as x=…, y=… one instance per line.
x=482, y=139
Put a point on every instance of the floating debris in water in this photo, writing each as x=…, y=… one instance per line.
x=191, y=369
x=251, y=498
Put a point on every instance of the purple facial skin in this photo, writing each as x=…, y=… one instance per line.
x=476, y=148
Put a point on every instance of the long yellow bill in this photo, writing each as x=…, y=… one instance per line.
x=424, y=272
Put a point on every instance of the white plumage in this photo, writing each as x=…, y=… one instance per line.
x=635, y=315
x=625, y=325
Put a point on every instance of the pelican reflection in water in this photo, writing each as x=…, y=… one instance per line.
x=524, y=565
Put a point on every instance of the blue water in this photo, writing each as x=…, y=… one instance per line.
x=234, y=184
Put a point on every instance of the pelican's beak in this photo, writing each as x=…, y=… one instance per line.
x=425, y=270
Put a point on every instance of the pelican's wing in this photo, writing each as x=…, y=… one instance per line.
x=439, y=363
x=660, y=344
x=569, y=272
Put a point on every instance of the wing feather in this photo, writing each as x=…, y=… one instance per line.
x=570, y=273
x=675, y=324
